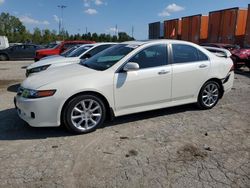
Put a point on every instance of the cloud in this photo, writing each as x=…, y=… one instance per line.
x=112, y=29
x=91, y=11
x=1, y=1
x=98, y=2
x=32, y=21
x=87, y=3
x=171, y=8
x=57, y=20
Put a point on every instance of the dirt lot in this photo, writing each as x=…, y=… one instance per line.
x=174, y=147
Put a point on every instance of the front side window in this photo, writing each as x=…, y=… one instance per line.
x=183, y=53
x=153, y=56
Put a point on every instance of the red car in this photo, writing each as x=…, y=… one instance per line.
x=240, y=56
x=58, y=49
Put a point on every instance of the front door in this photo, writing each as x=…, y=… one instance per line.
x=150, y=85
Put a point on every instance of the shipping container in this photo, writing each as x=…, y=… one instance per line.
x=172, y=29
x=194, y=28
x=227, y=26
x=247, y=35
x=155, y=30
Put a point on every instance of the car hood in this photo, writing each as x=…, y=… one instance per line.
x=53, y=75
x=55, y=60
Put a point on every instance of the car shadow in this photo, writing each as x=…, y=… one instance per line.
x=14, y=128
x=151, y=114
x=13, y=88
x=243, y=73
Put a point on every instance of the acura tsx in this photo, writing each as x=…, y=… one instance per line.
x=127, y=78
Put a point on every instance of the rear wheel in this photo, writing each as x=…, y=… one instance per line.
x=209, y=95
x=3, y=57
x=84, y=114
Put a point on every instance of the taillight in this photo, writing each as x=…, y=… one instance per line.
x=232, y=68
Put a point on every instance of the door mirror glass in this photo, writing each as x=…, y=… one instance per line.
x=131, y=66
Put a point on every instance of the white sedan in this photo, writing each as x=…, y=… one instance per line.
x=127, y=78
x=83, y=52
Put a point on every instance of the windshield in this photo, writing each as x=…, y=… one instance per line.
x=56, y=46
x=108, y=57
x=79, y=51
x=67, y=52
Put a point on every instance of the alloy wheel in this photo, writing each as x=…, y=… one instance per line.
x=210, y=95
x=86, y=114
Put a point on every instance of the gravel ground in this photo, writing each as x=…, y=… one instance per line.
x=173, y=147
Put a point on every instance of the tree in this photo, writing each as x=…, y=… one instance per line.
x=37, y=36
x=12, y=27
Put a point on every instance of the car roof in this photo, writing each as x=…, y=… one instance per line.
x=142, y=42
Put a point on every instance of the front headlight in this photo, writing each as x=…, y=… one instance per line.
x=33, y=94
x=36, y=69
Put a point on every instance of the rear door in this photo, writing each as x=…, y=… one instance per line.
x=190, y=71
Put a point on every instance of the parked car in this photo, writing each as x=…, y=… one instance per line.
x=127, y=78
x=83, y=52
x=240, y=56
x=58, y=49
x=64, y=54
x=4, y=43
x=18, y=52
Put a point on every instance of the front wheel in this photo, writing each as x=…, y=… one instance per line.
x=209, y=95
x=3, y=57
x=84, y=114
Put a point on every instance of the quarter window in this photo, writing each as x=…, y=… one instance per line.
x=184, y=53
x=153, y=56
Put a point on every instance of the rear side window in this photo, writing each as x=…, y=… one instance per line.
x=183, y=53
x=153, y=56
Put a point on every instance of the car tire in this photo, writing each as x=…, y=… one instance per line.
x=209, y=95
x=84, y=114
x=3, y=57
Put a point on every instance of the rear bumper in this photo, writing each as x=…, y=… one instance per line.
x=228, y=82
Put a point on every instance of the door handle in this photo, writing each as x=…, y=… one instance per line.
x=202, y=66
x=163, y=72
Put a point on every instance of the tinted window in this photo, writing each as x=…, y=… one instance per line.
x=20, y=47
x=184, y=53
x=153, y=56
x=68, y=45
x=97, y=50
x=30, y=47
x=79, y=51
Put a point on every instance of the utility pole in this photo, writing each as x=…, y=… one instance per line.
x=116, y=31
x=132, y=31
x=61, y=27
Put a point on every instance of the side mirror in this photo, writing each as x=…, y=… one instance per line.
x=131, y=66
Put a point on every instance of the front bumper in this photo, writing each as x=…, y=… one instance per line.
x=42, y=112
